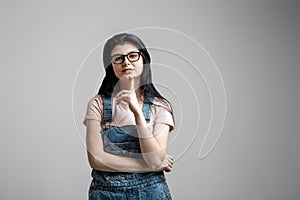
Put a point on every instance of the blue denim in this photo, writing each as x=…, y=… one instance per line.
x=131, y=186
x=123, y=141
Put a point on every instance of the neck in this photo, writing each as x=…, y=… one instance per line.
x=125, y=84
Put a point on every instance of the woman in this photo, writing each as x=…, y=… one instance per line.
x=128, y=123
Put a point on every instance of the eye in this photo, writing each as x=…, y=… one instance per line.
x=117, y=59
x=133, y=55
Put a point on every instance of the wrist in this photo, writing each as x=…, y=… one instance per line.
x=139, y=118
x=137, y=113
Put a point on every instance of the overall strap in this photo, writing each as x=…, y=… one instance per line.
x=107, y=108
x=148, y=101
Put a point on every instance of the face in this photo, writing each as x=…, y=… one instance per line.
x=127, y=68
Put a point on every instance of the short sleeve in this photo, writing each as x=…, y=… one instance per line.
x=94, y=109
x=163, y=113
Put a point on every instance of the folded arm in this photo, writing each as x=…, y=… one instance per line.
x=100, y=160
x=153, y=144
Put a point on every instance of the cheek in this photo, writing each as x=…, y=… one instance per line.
x=116, y=70
x=139, y=66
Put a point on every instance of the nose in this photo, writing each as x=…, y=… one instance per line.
x=126, y=61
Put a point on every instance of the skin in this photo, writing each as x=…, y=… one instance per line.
x=153, y=144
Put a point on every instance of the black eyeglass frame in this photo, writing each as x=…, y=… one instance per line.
x=127, y=56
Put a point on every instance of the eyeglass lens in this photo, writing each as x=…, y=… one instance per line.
x=132, y=57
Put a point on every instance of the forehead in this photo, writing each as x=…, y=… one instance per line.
x=123, y=48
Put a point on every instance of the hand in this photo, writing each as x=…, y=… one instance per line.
x=167, y=164
x=129, y=96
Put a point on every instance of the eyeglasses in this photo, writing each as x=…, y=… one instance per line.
x=132, y=57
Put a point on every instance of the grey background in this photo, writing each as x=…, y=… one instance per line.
x=255, y=44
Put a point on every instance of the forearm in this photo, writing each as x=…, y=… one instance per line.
x=113, y=163
x=101, y=160
x=153, y=152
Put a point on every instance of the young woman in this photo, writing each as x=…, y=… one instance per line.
x=128, y=124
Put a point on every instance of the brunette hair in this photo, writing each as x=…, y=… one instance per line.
x=110, y=83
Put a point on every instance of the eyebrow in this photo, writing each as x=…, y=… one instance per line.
x=119, y=54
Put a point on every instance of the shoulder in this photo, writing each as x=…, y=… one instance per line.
x=94, y=109
x=163, y=113
x=95, y=103
x=162, y=103
x=96, y=100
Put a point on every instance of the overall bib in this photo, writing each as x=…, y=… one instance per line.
x=124, y=141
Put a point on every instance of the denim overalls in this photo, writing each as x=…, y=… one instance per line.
x=123, y=141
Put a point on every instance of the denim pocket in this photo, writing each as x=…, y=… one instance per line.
x=102, y=194
x=158, y=191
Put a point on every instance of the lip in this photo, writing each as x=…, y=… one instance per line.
x=127, y=71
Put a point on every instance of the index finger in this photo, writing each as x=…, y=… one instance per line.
x=132, y=87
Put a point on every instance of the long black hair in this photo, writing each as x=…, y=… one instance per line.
x=110, y=81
